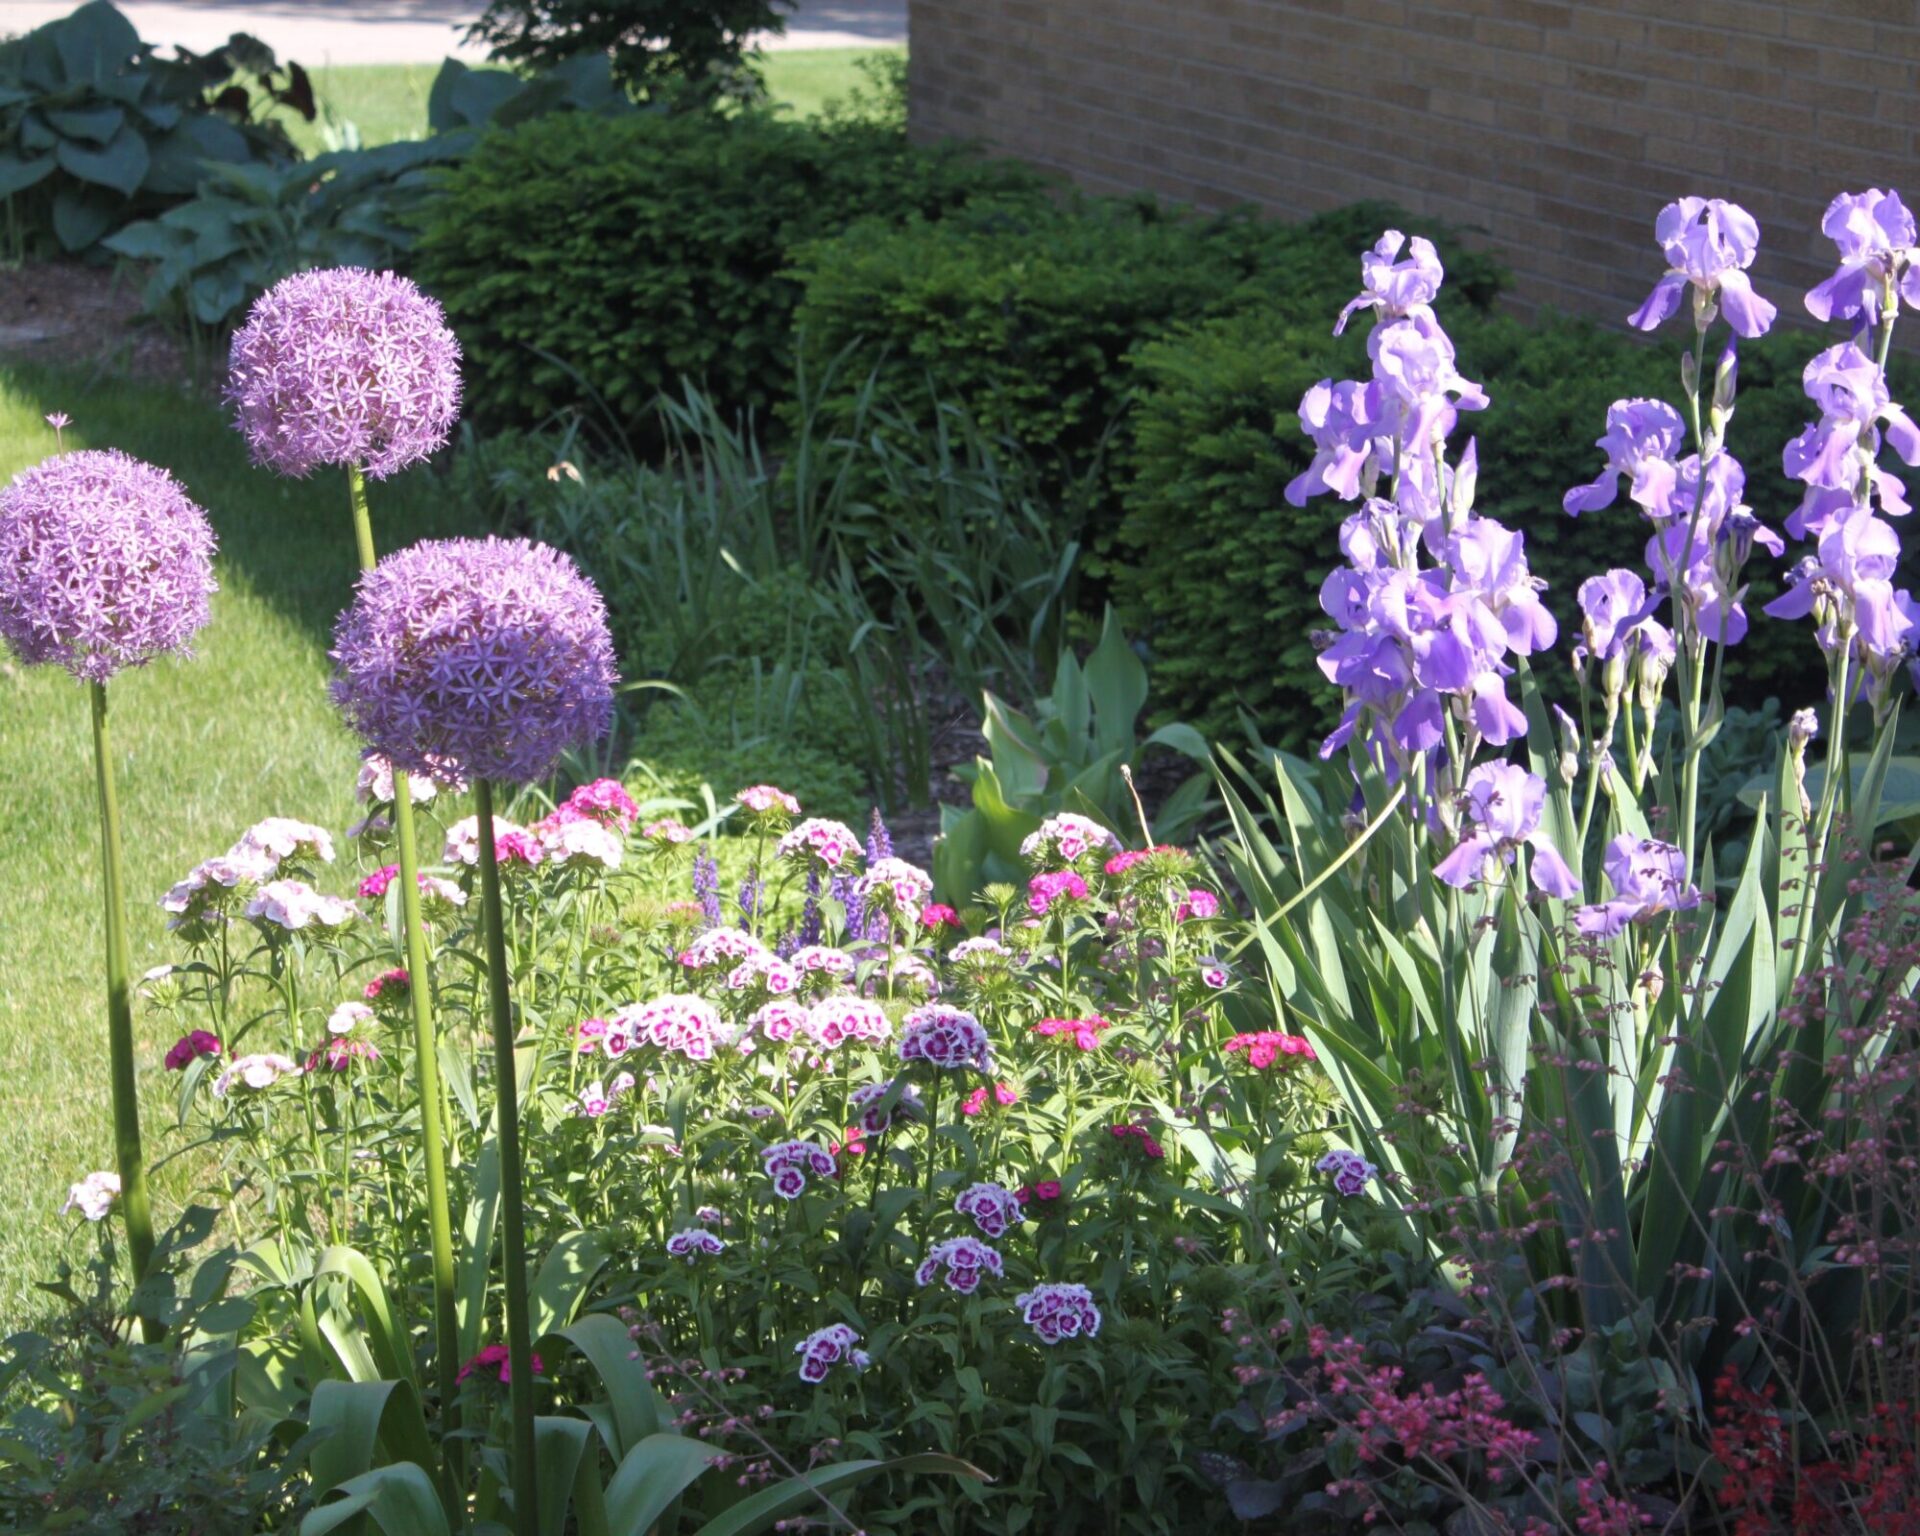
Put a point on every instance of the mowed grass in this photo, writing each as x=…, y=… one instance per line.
x=385, y=102
x=203, y=749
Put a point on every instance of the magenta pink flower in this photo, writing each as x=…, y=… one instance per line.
x=975, y=1103
x=495, y=1361
x=1044, y=890
x=1140, y=1136
x=189, y=1048
x=1197, y=906
x=1085, y=1033
x=388, y=987
x=1268, y=1046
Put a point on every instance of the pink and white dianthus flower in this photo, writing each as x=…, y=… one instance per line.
x=210, y=887
x=1085, y=1033
x=1197, y=906
x=813, y=960
x=718, y=946
x=833, y=1021
x=1059, y=1312
x=828, y=844
x=1045, y=891
x=945, y=1038
x=374, y=783
x=982, y=953
x=261, y=1069
x=965, y=1259
x=678, y=1023
x=1066, y=837
x=294, y=905
x=348, y=1017
x=895, y=887
x=192, y=1047
x=667, y=830
x=605, y=801
x=693, y=1244
x=594, y=1101
x=824, y=1348
x=790, y=1163
x=780, y=1020
x=514, y=844
x=580, y=842
x=992, y=1207
x=763, y=798
x=281, y=838
x=93, y=1196
x=1350, y=1171
x=763, y=971
x=339, y=1053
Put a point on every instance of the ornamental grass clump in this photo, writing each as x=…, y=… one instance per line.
x=105, y=564
x=490, y=657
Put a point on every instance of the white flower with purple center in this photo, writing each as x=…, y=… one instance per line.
x=965, y=1259
x=1067, y=837
x=1215, y=975
x=833, y=1021
x=823, y=1349
x=1351, y=1172
x=1504, y=805
x=594, y=1101
x=693, y=1245
x=1057, y=1312
x=822, y=960
x=894, y=887
x=679, y=1023
x=210, y=887
x=994, y=1208
x=945, y=1038
x=780, y=1021
x=375, y=783
x=791, y=1163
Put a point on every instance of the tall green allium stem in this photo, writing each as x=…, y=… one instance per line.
x=131, y=1163
x=426, y=1044
x=526, y=1507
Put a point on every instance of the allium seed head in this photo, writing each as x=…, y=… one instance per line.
x=104, y=564
x=487, y=655
x=344, y=366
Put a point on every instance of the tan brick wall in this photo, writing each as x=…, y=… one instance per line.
x=1555, y=129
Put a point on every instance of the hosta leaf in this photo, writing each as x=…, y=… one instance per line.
x=94, y=125
x=17, y=173
x=120, y=164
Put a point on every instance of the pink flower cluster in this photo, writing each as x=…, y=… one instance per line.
x=964, y=1259
x=762, y=798
x=718, y=945
x=894, y=886
x=1045, y=1192
x=513, y=844
x=262, y=1069
x=579, y=841
x=822, y=960
x=679, y=1023
x=497, y=1362
x=93, y=1196
x=694, y=1244
x=823, y=1349
x=938, y=915
x=994, y=1208
x=1059, y=1312
x=190, y=1048
x=835, y=1020
x=763, y=971
x=1197, y=906
x=1066, y=837
x=779, y=1021
x=1084, y=1033
x=388, y=986
x=437, y=891
x=339, y=1053
x=1044, y=890
x=295, y=905
x=1123, y=863
x=946, y=1038
x=597, y=1098
x=1138, y=1135
x=253, y=860
x=817, y=840
x=667, y=830
x=605, y=801
x=788, y=1163
x=975, y=1103
x=1270, y=1045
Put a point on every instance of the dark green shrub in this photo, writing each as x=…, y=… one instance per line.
x=699, y=44
x=588, y=265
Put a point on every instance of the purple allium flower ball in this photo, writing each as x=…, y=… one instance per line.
x=487, y=655
x=104, y=564
x=344, y=366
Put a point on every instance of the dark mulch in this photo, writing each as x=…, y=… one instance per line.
x=77, y=315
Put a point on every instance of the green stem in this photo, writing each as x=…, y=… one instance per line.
x=526, y=1503
x=126, y=1093
x=426, y=1058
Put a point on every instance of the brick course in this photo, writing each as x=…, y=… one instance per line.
x=1552, y=129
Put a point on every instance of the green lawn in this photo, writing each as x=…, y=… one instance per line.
x=205, y=748
x=389, y=101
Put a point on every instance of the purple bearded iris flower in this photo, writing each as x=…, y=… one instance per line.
x=1834, y=452
x=1395, y=288
x=1641, y=440
x=1850, y=593
x=1875, y=233
x=1618, y=620
x=1709, y=244
x=1349, y=448
x=1648, y=877
x=1420, y=388
x=1489, y=561
x=1504, y=803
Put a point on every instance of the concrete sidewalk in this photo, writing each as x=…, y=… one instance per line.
x=413, y=31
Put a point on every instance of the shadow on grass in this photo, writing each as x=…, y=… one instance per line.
x=289, y=541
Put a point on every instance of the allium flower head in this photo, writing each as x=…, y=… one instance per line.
x=344, y=366
x=1709, y=244
x=945, y=1038
x=104, y=564
x=964, y=1259
x=1059, y=1312
x=491, y=655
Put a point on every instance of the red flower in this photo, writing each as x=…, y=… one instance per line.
x=495, y=1359
x=190, y=1047
x=939, y=915
x=391, y=985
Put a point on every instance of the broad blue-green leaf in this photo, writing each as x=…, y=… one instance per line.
x=372, y=1423
x=120, y=164
x=94, y=125
x=565, y=1273
x=560, y=1448
x=603, y=1342
x=17, y=173
x=398, y=1501
x=759, y=1512
x=654, y=1473
x=82, y=216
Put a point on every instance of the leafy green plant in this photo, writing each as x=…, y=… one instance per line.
x=701, y=47
x=95, y=130
x=1073, y=754
x=591, y=266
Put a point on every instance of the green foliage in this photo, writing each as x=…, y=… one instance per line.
x=95, y=130
x=673, y=47
x=250, y=225
x=590, y=266
x=1069, y=757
